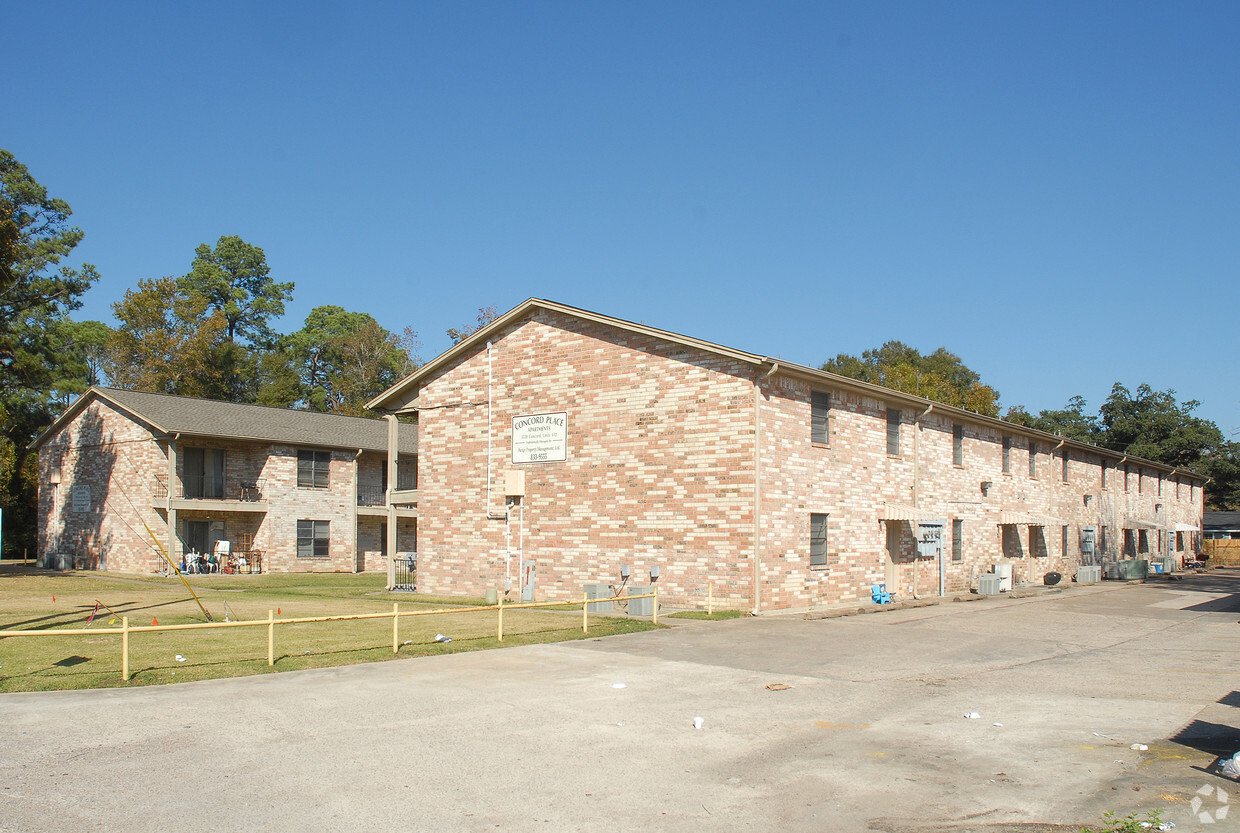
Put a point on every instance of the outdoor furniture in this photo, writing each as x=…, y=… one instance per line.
x=879, y=594
x=255, y=559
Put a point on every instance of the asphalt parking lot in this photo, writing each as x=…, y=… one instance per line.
x=870, y=734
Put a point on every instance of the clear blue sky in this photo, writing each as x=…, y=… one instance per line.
x=1050, y=190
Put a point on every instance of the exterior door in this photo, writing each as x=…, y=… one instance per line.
x=891, y=557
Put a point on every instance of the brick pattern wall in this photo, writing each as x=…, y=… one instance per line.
x=116, y=458
x=853, y=476
x=659, y=469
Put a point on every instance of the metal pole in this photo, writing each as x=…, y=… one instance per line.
x=271, y=637
x=656, y=604
x=500, y=630
x=125, y=648
x=395, y=624
x=585, y=607
x=710, y=598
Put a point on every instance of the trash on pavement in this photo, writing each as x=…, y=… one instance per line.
x=1139, y=747
x=1231, y=766
x=617, y=685
x=778, y=687
x=697, y=722
x=973, y=715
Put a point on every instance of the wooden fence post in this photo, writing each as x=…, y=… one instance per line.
x=125, y=648
x=271, y=637
x=500, y=629
x=585, y=607
x=395, y=623
x=656, y=605
x=710, y=598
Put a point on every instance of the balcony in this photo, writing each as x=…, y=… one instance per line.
x=372, y=501
x=207, y=492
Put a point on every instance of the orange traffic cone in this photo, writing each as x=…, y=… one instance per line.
x=278, y=611
x=154, y=622
x=53, y=598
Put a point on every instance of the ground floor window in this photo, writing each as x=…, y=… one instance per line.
x=817, y=540
x=312, y=537
x=957, y=540
x=1063, y=547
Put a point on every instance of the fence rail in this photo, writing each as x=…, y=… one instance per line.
x=1222, y=551
x=271, y=621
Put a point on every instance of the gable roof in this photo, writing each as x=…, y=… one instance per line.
x=209, y=418
x=402, y=397
x=1221, y=521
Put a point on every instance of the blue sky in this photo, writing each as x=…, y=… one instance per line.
x=1050, y=190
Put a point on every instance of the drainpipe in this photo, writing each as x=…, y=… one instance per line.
x=757, y=485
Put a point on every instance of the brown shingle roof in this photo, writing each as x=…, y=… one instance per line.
x=209, y=418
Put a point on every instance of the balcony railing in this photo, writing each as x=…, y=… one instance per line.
x=371, y=496
x=210, y=488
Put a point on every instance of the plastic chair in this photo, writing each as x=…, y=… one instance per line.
x=879, y=594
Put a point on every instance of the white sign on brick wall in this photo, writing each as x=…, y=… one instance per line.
x=81, y=498
x=540, y=438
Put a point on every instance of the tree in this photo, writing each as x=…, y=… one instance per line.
x=485, y=316
x=36, y=295
x=234, y=279
x=345, y=359
x=1071, y=421
x=940, y=376
x=168, y=341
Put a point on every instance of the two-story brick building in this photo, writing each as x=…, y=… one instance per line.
x=122, y=473
x=580, y=444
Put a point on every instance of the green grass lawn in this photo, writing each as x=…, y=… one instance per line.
x=51, y=602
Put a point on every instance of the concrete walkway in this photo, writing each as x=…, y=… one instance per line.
x=871, y=734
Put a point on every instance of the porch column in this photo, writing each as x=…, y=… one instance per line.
x=174, y=551
x=392, y=448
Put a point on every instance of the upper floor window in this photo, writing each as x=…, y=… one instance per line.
x=313, y=469
x=957, y=445
x=1033, y=459
x=1064, y=476
x=893, y=431
x=1007, y=455
x=1125, y=477
x=820, y=417
x=1105, y=466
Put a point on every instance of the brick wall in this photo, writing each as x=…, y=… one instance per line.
x=661, y=471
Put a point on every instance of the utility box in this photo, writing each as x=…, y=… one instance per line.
x=929, y=539
x=514, y=483
x=1090, y=574
x=1169, y=564
x=989, y=584
x=641, y=607
x=599, y=591
x=1089, y=537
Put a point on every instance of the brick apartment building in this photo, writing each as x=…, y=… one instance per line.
x=579, y=443
x=305, y=492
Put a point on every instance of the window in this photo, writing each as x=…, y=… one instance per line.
x=1140, y=478
x=893, y=431
x=312, y=537
x=1064, y=476
x=817, y=540
x=820, y=417
x=957, y=445
x=203, y=475
x=1160, y=485
x=1007, y=455
x=1104, y=473
x=313, y=468
x=1033, y=460
x=1063, y=544
x=957, y=540
x=1125, y=477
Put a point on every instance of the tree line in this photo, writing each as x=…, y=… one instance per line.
x=209, y=333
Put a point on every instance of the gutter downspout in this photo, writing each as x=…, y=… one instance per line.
x=757, y=485
x=917, y=505
x=357, y=479
x=491, y=514
x=171, y=513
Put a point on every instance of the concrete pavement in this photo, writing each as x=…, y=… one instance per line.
x=870, y=736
